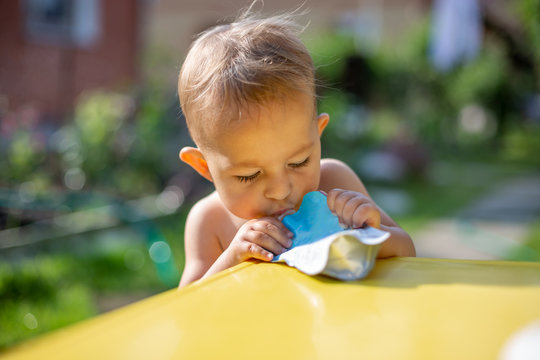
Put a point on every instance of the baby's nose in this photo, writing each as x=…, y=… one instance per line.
x=278, y=188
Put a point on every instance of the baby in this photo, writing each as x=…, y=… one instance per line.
x=247, y=91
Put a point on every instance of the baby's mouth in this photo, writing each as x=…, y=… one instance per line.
x=282, y=213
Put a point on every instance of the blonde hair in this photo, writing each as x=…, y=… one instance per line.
x=230, y=68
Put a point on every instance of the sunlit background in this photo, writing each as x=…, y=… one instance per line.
x=436, y=105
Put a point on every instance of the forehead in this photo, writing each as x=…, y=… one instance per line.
x=271, y=130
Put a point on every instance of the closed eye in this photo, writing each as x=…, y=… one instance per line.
x=248, y=178
x=300, y=164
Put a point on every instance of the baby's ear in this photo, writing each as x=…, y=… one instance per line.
x=322, y=121
x=194, y=158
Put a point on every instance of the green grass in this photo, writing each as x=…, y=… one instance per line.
x=39, y=295
x=463, y=184
x=172, y=229
x=430, y=202
x=530, y=250
x=48, y=292
x=29, y=317
x=53, y=290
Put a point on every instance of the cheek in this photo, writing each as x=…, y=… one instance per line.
x=312, y=181
x=314, y=176
x=240, y=203
x=307, y=181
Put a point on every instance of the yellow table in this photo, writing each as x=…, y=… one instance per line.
x=407, y=308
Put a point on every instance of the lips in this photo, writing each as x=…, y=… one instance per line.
x=282, y=213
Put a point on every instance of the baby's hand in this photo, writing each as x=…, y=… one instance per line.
x=260, y=239
x=353, y=209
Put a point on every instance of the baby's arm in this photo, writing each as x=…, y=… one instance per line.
x=354, y=207
x=257, y=239
x=201, y=242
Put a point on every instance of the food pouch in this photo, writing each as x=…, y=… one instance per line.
x=322, y=246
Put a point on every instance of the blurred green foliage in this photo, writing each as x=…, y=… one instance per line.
x=116, y=146
x=530, y=15
x=37, y=296
x=530, y=249
x=328, y=51
x=58, y=289
x=404, y=96
x=118, y=143
x=73, y=278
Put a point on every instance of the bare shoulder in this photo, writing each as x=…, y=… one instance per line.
x=336, y=174
x=205, y=218
x=201, y=237
x=335, y=166
x=209, y=207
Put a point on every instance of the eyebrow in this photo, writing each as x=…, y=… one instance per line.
x=252, y=164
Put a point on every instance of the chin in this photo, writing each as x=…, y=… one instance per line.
x=246, y=215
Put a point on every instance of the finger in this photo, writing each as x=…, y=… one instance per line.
x=265, y=241
x=374, y=219
x=341, y=200
x=331, y=198
x=280, y=225
x=349, y=208
x=366, y=214
x=255, y=251
x=275, y=229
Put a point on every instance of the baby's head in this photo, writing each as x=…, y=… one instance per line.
x=233, y=69
x=247, y=91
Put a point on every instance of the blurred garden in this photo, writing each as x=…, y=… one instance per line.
x=92, y=211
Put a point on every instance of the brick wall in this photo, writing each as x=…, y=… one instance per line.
x=49, y=75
